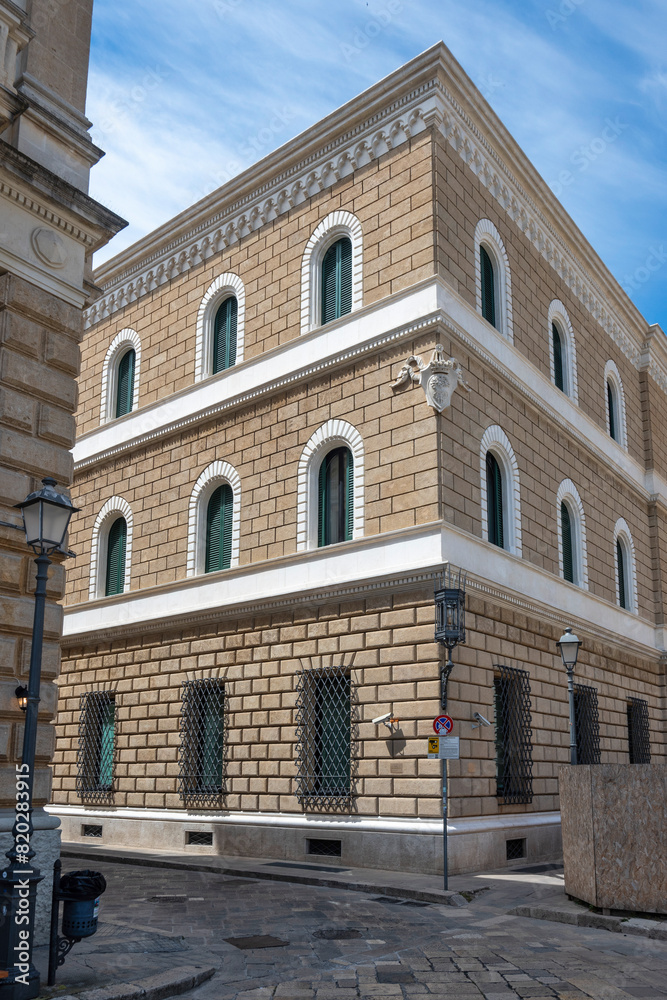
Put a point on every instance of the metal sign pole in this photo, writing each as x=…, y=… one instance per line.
x=444, y=818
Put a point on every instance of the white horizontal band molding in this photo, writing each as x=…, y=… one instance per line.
x=338, y=824
x=366, y=329
x=402, y=553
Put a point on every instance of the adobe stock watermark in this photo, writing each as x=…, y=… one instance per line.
x=223, y=7
x=251, y=149
x=656, y=259
x=120, y=110
x=582, y=157
x=559, y=15
x=373, y=27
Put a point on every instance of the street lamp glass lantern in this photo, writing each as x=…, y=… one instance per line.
x=450, y=609
x=568, y=645
x=46, y=517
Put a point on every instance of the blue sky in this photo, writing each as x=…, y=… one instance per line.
x=183, y=96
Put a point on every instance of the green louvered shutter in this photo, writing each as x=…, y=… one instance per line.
x=488, y=287
x=558, y=357
x=337, y=280
x=219, y=529
x=494, y=501
x=322, y=503
x=107, y=739
x=566, y=538
x=125, y=383
x=115, y=575
x=620, y=568
x=224, y=335
x=612, y=410
x=349, y=495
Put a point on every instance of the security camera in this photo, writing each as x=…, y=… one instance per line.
x=382, y=718
x=480, y=719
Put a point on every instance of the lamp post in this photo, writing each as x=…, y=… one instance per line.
x=46, y=517
x=450, y=630
x=568, y=646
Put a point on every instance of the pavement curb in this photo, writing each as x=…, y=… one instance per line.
x=157, y=987
x=446, y=898
x=656, y=930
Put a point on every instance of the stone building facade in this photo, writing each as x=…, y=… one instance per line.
x=260, y=535
x=49, y=228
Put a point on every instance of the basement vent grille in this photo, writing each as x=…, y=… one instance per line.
x=199, y=838
x=324, y=848
x=515, y=849
x=91, y=831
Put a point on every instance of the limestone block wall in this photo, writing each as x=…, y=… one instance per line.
x=387, y=642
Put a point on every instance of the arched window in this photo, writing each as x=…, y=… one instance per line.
x=111, y=550
x=220, y=333
x=626, y=582
x=488, y=286
x=335, y=497
x=331, y=271
x=494, y=501
x=224, y=336
x=571, y=526
x=567, y=543
x=214, y=520
x=559, y=367
x=615, y=404
x=125, y=383
x=563, y=355
x=500, y=492
x=337, y=280
x=330, y=487
x=492, y=278
x=115, y=562
x=219, y=513
x=120, y=376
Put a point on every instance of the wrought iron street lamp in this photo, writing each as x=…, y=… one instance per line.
x=568, y=646
x=450, y=621
x=46, y=517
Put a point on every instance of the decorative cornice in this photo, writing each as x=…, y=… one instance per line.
x=37, y=208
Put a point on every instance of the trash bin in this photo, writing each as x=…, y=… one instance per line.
x=81, y=893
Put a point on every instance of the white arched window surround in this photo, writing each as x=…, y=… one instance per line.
x=558, y=315
x=613, y=377
x=333, y=434
x=114, y=508
x=496, y=441
x=121, y=343
x=487, y=235
x=569, y=495
x=213, y=476
x=623, y=535
x=220, y=289
x=332, y=228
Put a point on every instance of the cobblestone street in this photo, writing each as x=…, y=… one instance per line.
x=277, y=939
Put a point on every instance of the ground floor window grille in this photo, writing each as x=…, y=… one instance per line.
x=514, y=749
x=324, y=737
x=201, y=756
x=586, y=724
x=639, y=741
x=97, y=744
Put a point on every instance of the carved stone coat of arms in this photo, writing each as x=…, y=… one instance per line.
x=439, y=378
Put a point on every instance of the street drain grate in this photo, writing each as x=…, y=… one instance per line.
x=394, y=976
x=398, y=902
x=536, y=869
x=258, y=941
x=169, y=899
x=337, y=933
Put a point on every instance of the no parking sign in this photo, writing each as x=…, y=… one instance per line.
x=443, y=725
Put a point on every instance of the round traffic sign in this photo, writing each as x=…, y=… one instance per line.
x=443, y=725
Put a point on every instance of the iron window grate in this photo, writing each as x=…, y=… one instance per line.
x=639, y=740
x=199, y=838
x=515, y=849
x=324, y=848
x=201, y=759
x=91, y=831
x=514, y=749
x=96, y=761
x=324, y=738
x=586, y=724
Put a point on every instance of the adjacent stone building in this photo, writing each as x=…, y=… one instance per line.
x=49, y=228
x=276, y=457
